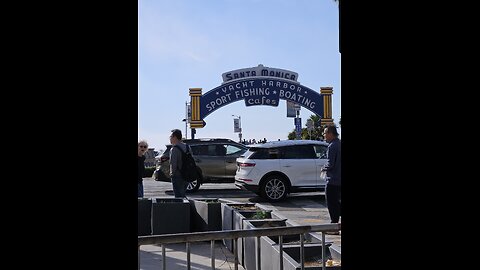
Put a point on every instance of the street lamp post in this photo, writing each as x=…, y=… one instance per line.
x=239, y=127
x=186, y=120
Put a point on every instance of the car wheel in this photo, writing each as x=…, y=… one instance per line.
x=274, y=188
x=193, y=186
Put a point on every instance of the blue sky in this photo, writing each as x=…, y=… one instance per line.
x=190, y=43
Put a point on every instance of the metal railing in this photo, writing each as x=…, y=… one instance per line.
x=235, y=234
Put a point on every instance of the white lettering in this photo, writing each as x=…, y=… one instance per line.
x=259, y=71
x=212, y=104
x=209, y=107
x=306, y=102
x=299, y=97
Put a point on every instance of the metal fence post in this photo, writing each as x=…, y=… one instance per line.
x=302, y=252
x=280, y=243
x=235, y=252
x=164, y=258
x=188, y=255
x=323, y=251
x=212, y=251
x=259, y=267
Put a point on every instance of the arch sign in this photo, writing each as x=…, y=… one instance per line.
x=256, y=86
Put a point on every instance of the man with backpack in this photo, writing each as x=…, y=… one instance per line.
x=179, y=184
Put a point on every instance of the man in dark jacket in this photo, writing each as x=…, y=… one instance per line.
x=142, y=149
x=334, y=174
x=178, y=183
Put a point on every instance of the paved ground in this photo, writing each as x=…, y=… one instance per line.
x=151, y=257
x=300, y=208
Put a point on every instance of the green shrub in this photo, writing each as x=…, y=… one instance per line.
x=260, y=215
x=149, y=171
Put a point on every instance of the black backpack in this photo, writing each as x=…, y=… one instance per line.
x=189, y=169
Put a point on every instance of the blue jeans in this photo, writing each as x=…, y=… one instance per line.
x=140, y=190
x=179, y=186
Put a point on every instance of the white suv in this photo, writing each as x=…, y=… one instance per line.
x=274, y=169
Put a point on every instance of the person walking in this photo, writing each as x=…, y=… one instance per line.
x=178, y=183
x=142, y=149
x=334, y=174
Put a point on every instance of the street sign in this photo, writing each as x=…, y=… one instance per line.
x=298, y=127
x=236, y=125
x=291, y=110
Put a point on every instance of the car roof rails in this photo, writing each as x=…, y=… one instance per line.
x=209, y=140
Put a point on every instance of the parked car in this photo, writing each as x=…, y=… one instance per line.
x=215, y=158
x=274, y=169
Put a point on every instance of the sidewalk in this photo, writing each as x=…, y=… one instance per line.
x=200, y=258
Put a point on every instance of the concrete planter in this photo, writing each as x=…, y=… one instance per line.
x=335, y=252
x=170, y=215
x=250, y=243
x=144, y=216
x=227, y=210
x=238, y=218
x=313, y=257
x=205, y=215
x=270, y=245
